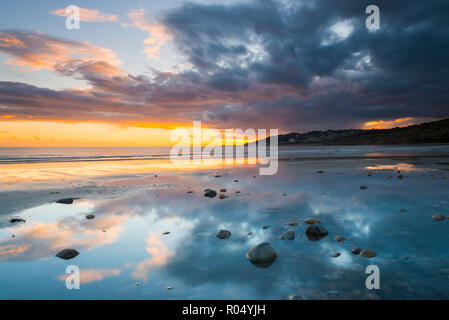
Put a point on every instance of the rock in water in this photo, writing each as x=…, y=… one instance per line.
x=209, y=193
x=288, y=235
x=222, y=190
x=293, y=223
x=65, y=201
x=90, y=216
x=16, y=220
x=316, y=232
x=67, y=254
x=222, y=196
x=363, y=187
x=262, y=255
x=335, y=255
x=356, y=250
x=438, y=217
x=223, y=234
x=340, y=238
x=312, y=221
x=367, y=253
x=294, y=297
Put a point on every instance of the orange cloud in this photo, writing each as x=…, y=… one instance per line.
x=160, y=255
x=89, y=15
x=39, y=51
x=381, y=124
x=159, y=36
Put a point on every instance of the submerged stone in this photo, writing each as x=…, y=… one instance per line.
x=90, y=216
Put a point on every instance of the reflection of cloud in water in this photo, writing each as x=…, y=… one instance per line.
x=94, y=275
x=37, y=240
x=160, y=255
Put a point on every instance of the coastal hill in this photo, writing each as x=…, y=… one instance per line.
x=430, y=132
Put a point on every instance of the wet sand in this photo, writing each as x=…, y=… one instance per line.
x=153, y=227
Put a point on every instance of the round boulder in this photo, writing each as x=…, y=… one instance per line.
x=262, y=255
x=223, y=234
x=288, y=235
x=316, y=232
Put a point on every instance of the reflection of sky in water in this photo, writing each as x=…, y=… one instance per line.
x=124, y=244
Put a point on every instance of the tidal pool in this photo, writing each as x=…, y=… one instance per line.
x=161, y=236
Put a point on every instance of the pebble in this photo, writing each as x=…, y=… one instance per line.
x=90, y=216
x=367, y=253
x=263, y=254
x=356, y=250
x=223, y=234
x=67, y=254
x=335, y=255
x=316, y=232
x=312, y=221
x=288, y=235
x=340, y=238
x=438, y=217
x=363, y=187
x=209, y=193
x=16, y=220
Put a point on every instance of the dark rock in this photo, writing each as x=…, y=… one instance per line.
x=262, y=255
x=288, y=235
x=335, y=255
x=67, y=254
x=223, y=234
x=166, y=232
x=438, y=217
x=217, y=176
x=209, y=193
x=340, y=238
x=320, y=171
x=223, y=196
x=363, y=187
x=356, y=250
x=90, y=216
x=316, y=232
x=17, y=220
x=266, y=227
x=312, y=221
x=367, y=253
x=190, y=191
x=222, y=190
x=65, y=201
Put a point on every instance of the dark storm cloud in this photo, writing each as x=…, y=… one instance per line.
x=399, y=70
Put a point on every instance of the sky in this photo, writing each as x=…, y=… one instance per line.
x=135, y=70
